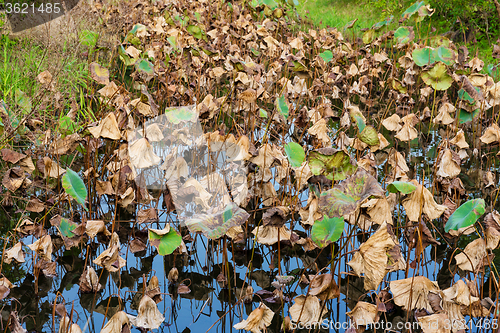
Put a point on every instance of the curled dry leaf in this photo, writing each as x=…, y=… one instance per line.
x=436, y=323
x=422, y=201
x=93, y=227
x=443, y=116
x=116, y=323
x=43, y=247
x=89, y=281
x=110, y=258
x=11, y=156
x=142, y=154
x=364, y=314
x=411, y=293
x=67, y=327
x=372, y=258
x=270, y=235
x=459, y=140
x=51, y=168
x=492, y=230
x=148, y=316
x=323, y=286
x=173, y=275
x=13, y=179
x=14, y=324
x=491, y=134
x=392, y=123
x=307, y=310
x=107, y=128
x=459, y=293
x=16, y=253
x=258, y=320
x=473, y=257
x=449, y=165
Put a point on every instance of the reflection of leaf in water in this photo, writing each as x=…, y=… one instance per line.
x=216, y=225
x=262, y=278
x=346, y=197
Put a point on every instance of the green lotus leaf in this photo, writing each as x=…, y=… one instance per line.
x=66, y=227
x=369, y=136
x=345, y=198
x=145, y=66
x=383, y=23
x=181, y=114
x=412, y=9
x=404, y=35
x=333, y=164
x=358, y=118
x=283, y=106
x=74, y=186
x=328, y=230
x=465, y=215
x=165, y=243
x=465, y=117
x=401, y=187
x=295, y=154
x=327, y=56
x=437, y=77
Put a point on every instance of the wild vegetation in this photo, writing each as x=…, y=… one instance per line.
x=226, y=167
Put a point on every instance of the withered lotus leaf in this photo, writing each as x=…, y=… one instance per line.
x=492, y=230
x=459, y=293
x=364, y=314
x=269, y=235
x=320, y=130
x=67, y=327
x=14, y=324
x=110, y=258
x=345, y=198
x=449, y=166
x=459, y=140
x=11, y=156
x=473, y=257
x=13, y=179
x=15, y=252
x=52, y=169
x=148, y=316
x=491, y=134
x=107, y=128
x=93, y=227
x=323, y=286
x=258, y=320
x=411, y=293
x=435, y=323
x=422, y=201
x=372, y=258
x=89, y=281
x=392, y=123
x=116, y=323
x=307, y=310
x=43, y=247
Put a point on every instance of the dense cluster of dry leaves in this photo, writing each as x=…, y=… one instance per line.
x=256, y=81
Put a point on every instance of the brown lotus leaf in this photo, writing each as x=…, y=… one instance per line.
x=307, y=244
x=26, y=164
x=265, y=157
x=27, y=227
x=320, y=130
x=110, y=258
x=459, y=293
x=51, y=168
x=371, y=259
x=93, y=227
x=398, y=163
x=491, y=134
x=307, y=310
x=407, y=133
x=43, y=247
x=258, y=320
x=412, y=293
x=302, y=175
x=379, y=210
x=153, y=289
x=148, y=315
x=66, y=145
x=104, y=187
x=35, y=205
x=48, y=268
x=476, y=309
x=393, y=123
x=107, y=128
x=173, y=275
x=183, y=289
x=148, y=215
x=435, y=323
x=13, y=179
x=323, y=286
x=15, y=252
x=435, y=301
x=449, y=166
x=420, y=237
x=137, y=245
x=269, y=235
x=142, y=155
x=422, y=201
x=489, y=179
x=364, y=314
x=383, y=143
x=116, y=323
x=67, y=327
x=275, y=216
x=443, y=116
x=11, y=156
x=245, y=294
x=89, y=281
x=310, y=214
x=473, y=257
x=14, y=324
x=459, y=140
x=127, y=198
x=492, y=230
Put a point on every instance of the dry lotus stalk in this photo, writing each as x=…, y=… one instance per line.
x=459, y=140
x=116, y=323
x=492, y=230
x=411, y=293
x=43, y=247
x=148, y=316
x=422, y=201
x=269, y=235
x=372, y=258
x=491, y=134
x=16, y=253
x=258, y=320
x=307, y=310
x=449, y=166
x=66, y=327
x=89, y=281
x=473, y=257
x=436, y=323
x=93, y=227
x=443, y=116
x=364, y=314
x=110, y=258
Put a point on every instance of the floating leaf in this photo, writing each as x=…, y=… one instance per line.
x=437, y=77
x=66, y=227
x=369, y=136
x=283, y=106
x=295, y=154
x=74, y=186
x=327, y=56
x=165, y=241
x=465, y=215
x=334, y=164
x=328, y=230
x=401, y=187
x=345, y=198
